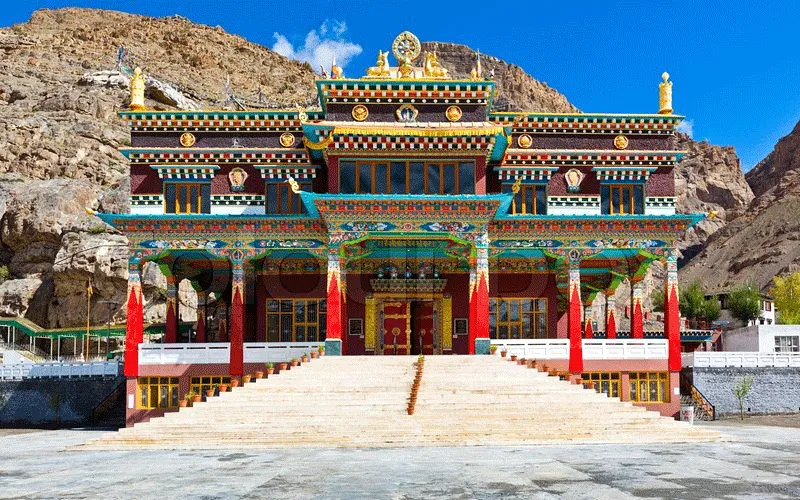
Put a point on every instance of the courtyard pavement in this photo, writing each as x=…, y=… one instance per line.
x=759, y=462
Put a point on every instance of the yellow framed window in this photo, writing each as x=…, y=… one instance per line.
x=158, y=393
x=649, y=387
x=296, y=320
x=187, y=197
x=603, y=382
x=280, y=199
x=530, y=199
x=201, y=384
x=524, y=318
x=406, y=177
x=622, y=199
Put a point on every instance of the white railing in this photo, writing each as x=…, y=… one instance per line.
x=272, y=352
x=61, y=370
x=721, y=359
x=534, y=348
x=625, y=349
x=592, y=348
x=180, y=354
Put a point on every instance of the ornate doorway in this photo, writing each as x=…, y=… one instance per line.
x=396, y=327
x=422, y=327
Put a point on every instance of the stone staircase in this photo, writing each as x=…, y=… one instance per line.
x=361, y=402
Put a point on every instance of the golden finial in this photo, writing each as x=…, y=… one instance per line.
x=137, y=90
x=295, y=186
x=665, y=95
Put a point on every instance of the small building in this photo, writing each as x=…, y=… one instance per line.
x=767, y=315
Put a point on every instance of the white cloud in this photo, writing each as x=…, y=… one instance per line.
x=320, y=46
x=687, y=127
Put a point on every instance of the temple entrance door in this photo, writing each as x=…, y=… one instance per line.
x=422, y=326
x=396, y=327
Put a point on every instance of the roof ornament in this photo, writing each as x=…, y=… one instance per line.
x=665, y=95
x=336, y=71
x=406, y=48
x=381, y=68
x=137, y=90
x=477, y=71
x=433, y=68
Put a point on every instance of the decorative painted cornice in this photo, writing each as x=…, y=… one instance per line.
x=217, y=121
x=282, y=173
x=554, y=157
x=186, y=173
x=592, y=123
x=405, y=91
x=623, y=174
x=192, y=157
x=530, y=174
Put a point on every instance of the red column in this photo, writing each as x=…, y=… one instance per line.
x=574, y=319
x=611, y=315
x=236, y=327
x=672, y=325
x=201, y=317
x=335, y=319
x=587, y=330
x=472, y=326
x=171, y=335
x=479, y=303
x=135, y=323
x=637, y=317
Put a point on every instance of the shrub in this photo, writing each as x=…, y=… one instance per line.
x=4, y=274
x=745, y=303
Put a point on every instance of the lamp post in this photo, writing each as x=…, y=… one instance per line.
x=89, y=292
x=108, y=304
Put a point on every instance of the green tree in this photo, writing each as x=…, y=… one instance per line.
x=741, y=390
x=4, y=274
x=711, y=309
x=744, y=303
x=787, y=298
x=693, y=301
x=657, y=299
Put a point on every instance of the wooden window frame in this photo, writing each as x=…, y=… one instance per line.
x=494, y=314
x=661, y=381
x=146, y=386
x=283, y=189
x=613, y=381
x=444, y=166
x=200, y=384
x=522, y=208
x=623, y=189
x=186, y=186
x=319, y=323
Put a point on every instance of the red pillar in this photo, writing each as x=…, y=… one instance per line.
x=171, y=335
x=335, y=319
x=574, y=319
x=672, y=325
x=637, y=317
x=611, y=315
x=587, y=331
x=236, y=327
x=201, y=317
x=479, y=299
x=135, y=323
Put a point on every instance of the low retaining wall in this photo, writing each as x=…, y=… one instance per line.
x=53, y=402
x=775, y=390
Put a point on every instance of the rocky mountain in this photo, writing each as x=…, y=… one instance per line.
x=61, y=87
x=59, y=134
x=765, y=240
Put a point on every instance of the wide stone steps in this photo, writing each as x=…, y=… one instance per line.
x=361, y=402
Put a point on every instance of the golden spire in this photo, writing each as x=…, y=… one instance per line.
x=137, y=90
x=665, y=95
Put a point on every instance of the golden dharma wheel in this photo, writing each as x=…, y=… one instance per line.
x=187, y=140
x=525, y=141
x=453, y=113
x=287, y=140
x=360, y=113
x=621, y=142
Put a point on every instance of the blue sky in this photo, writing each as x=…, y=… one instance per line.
x=736, y=65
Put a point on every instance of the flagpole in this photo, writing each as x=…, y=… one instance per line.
x=88, y=315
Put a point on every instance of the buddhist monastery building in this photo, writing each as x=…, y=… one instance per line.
x=401, y=216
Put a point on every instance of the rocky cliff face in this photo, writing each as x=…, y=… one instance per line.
x=765, y=240
x=516, y=89
x=59, y=135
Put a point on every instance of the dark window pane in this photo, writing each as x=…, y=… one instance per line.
x=466, y=178
x=347, y=177
x=449, y=178
x=638, y=201
x=605, y=200
x=398, y=175
x=417, y=178
x=541, y=199
x=365, y=178
x=615, y=200
x=380, y=178
x=433, y=178
x=272, y=198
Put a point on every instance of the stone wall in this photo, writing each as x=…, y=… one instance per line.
x=55, y=402
x=775, y=390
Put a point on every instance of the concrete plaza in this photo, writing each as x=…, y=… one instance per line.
x=756, y=462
